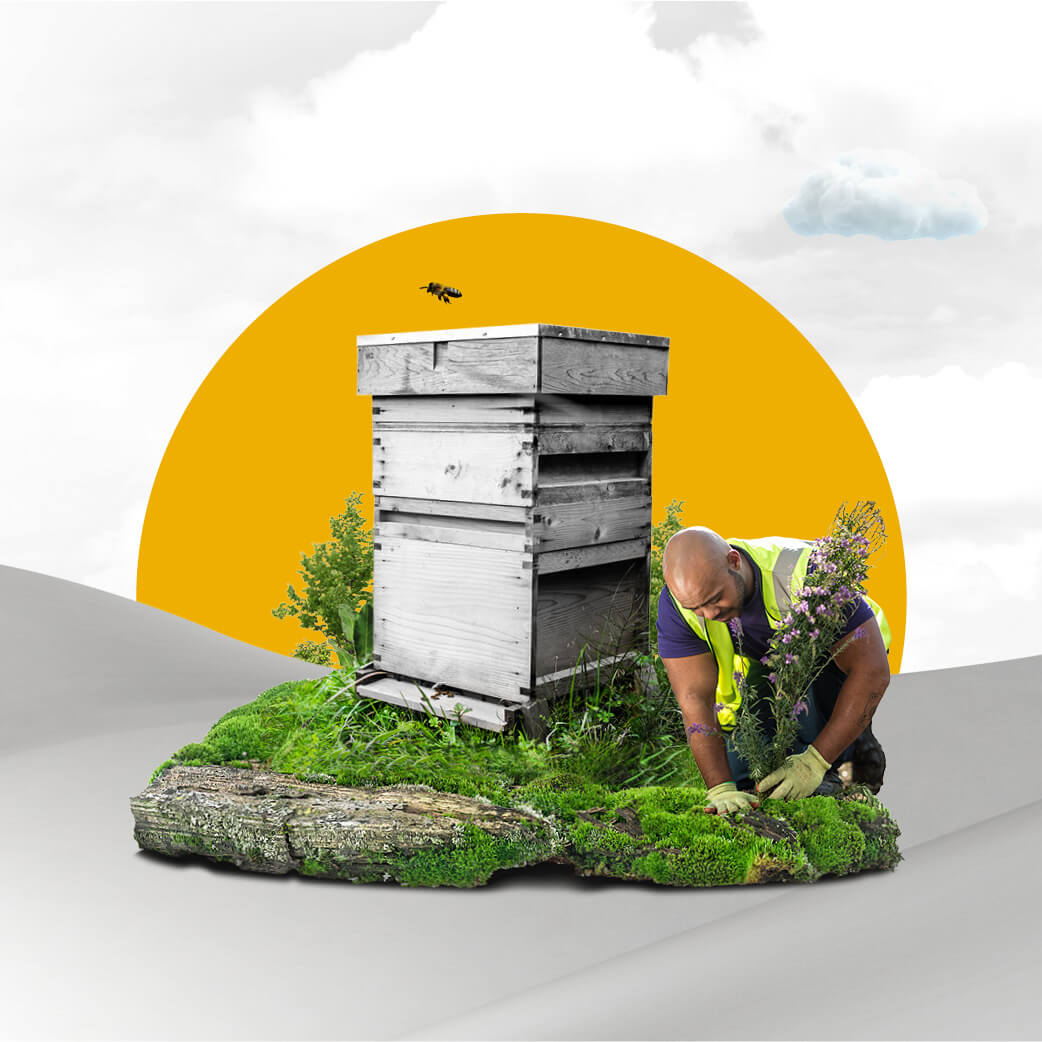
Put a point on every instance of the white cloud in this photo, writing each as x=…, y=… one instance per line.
x=951, y=440
x=958, y=451
x=942, y=313
x=972, y=598
x=557, y=107
x=885, y=193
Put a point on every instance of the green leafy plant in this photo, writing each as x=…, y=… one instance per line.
x=661, y=534
x=801, y=646
x=336, y=596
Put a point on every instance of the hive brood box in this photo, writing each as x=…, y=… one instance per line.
x=512, y=486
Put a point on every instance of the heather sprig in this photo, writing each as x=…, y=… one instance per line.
x=802, y=643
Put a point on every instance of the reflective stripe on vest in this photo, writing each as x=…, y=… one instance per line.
x=782, y=564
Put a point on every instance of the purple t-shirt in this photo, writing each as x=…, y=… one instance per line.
x=676, y=639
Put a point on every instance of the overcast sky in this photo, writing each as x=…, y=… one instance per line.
x=873, y=172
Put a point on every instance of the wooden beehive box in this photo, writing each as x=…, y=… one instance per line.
x=512, y=485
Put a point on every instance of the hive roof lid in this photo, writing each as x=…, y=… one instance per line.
x=510, y=332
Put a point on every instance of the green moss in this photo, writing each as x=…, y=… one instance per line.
x=589, y=839
x=834, y=846
x=193, y=751
x=879, y=829
x=560, y=793
x=320, y=730
x=472, y=859
x=712, y=861
x=159, y=770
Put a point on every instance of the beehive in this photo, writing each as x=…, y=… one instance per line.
x=512, y=486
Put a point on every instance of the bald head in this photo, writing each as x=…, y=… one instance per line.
x=704, y=573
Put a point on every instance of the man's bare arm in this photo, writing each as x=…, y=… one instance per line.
x=693, y=679
x=868, y=674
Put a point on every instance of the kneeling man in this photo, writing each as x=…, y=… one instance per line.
x=723, y=599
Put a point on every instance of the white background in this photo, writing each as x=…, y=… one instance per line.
x=170, y=170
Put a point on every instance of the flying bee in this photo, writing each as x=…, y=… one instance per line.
x=441, y=292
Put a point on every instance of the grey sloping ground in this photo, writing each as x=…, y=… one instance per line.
x=102, y=940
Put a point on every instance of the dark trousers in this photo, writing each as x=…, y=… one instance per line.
x=821, y=701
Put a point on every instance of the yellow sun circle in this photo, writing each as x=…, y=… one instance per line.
x=756, y=435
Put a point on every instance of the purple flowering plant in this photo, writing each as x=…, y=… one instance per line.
x=805, y=636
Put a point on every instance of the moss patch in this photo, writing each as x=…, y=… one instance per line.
x=320, y=730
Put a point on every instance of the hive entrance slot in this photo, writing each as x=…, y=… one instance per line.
x=574, y=467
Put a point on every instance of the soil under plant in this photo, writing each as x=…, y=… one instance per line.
x=310, y=777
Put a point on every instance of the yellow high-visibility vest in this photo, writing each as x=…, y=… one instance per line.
x=783, y=568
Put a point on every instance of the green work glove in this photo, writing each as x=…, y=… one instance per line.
x=799, y=776
x=725, y=797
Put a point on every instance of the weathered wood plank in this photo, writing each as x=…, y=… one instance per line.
x=453, y=465
x=591, y=439
x=523, y=330
x=455, y=615
x=588, y=556
x=592, y=492
x=554, y=409
x=598, y=612
x=469, y=524
x=449, y=408
x=425, y=699
x=608, y=336
x=512, y=539
x=392, y=369
x=583, y=524
x=452, y=508
x=507, y=366
x=580, y=367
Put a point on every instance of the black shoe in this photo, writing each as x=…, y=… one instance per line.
x=868, y=760
x=830, y=784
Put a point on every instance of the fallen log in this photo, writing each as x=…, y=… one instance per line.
x=275, y=823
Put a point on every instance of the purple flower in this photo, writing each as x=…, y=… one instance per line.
x=859, y=632
x=763, y=661
x=821, y=610
x=790, y=659
x=799, y=708
x=772, y=677
x=720, y=706
x=814, y=634
x=735, y=627
x=786, y=638
x=701, y=729
x=802, y=607
x=738, y=678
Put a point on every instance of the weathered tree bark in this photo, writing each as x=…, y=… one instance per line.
x=273, y=823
